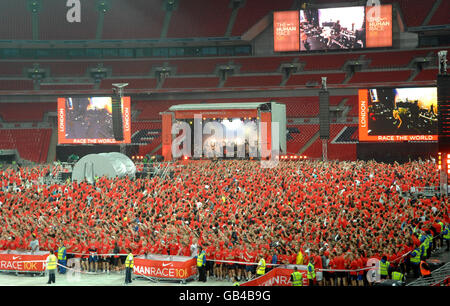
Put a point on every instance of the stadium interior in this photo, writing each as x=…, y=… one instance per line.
x=182, y=52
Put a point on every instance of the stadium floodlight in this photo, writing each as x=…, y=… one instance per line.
x=120, y=87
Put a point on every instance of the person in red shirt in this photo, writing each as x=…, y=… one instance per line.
x=318, y=266
x=84, y=256
x=362, y=264
x=354, y=265
x=330, y=275
x=116, y=260
x=93, y=256
x=341, y=276
x=174, y=248
x=210, y=250
x=163, y=248
x=218, y=265
x=13, y=244
x=229, y=265
x=106, y=258
x=185, y=250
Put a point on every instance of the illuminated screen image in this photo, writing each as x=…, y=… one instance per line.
x=332, y=28
x=286, y=31
x=398, y=114
x=342, y=28
x=89, y=120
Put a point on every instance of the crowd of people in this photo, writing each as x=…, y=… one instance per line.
x=336, y=215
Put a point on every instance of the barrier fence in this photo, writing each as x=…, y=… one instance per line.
x=153, y=267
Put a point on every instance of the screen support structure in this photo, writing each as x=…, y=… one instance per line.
x=324, y=118
x=118, y=90
x=324, y=149
x=443, y=83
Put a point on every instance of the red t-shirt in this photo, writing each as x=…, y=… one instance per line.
x=354, y=265
x=173, y=249
x=340, y=262
x=318, y=262
x=332, y=265
x=228, y=255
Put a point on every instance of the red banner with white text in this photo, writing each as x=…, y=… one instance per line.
x=23, y=262
x=277, y=277
x=286, y=31
x=165, y=267
x=379, y=26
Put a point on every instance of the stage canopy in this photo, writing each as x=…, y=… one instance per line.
x=111, y=165
x=221, y=106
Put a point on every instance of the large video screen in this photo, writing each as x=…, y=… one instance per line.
x=332, y=28
x=398, y=114
x=341, y=28
x=88, y=120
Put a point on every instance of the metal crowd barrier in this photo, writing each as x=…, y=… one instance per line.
x=438, y=277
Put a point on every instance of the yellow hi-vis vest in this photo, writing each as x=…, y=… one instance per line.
x=200, y=258
x=425, y=249
x=415, y=259
x=397, y=276
x=297, y=278
x=447, y=232
x=311, y=274
x=129, y=262
x=61, y=253
x=261, y=267
x=51, y=262
x=429, y=241
x=384, y=268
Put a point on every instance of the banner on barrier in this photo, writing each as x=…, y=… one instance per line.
x=23, y=262
x=277, y=277
x=169, y=267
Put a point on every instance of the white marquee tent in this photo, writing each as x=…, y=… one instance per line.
x=111, y=165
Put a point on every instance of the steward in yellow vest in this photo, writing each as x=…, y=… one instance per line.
x=384, y=268
x=261, y=269
x=296, y=278
x=129, y=264
x=51, y=267
x=201, y=265
x=311, y=273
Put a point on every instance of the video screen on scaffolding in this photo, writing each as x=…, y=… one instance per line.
x=342, y=28
x=398, y=114
x=88, y=120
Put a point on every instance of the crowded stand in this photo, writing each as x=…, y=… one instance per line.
x=337, y=215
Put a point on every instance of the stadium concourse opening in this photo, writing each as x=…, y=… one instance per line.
x=133, y=136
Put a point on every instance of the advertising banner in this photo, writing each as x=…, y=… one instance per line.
x=21, y=262
x=379, y=26
x=277, y=277
x=165, y=267
x=286, y=31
